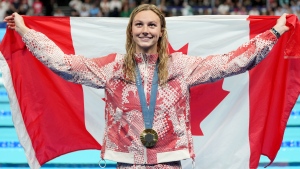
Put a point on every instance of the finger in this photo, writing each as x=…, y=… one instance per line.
x=10, y=21
x=286, y=28
x=11, y=27
x=11, y=24
x=285, y=15
x=7, y=18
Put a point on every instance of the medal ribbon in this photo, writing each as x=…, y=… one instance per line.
x=148, y=112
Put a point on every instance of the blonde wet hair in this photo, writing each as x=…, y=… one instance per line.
x=162, y=46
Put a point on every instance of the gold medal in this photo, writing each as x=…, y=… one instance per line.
x=149, y=138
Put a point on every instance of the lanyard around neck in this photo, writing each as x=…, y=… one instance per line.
x=148, y=112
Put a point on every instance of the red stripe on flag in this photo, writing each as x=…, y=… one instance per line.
x=274, y=88
x=52, y=108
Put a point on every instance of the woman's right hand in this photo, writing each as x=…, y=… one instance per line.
x=16, y=22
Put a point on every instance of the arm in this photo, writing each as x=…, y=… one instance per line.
x=74, y=68
x=200, y=70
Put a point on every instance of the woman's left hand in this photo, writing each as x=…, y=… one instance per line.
x=280, y=26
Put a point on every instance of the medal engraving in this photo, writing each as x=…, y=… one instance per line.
x=149, y=138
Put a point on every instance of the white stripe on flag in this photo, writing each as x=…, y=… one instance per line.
x=104, y=36
x=204, y=35
x=94, y=112
x=17, y=117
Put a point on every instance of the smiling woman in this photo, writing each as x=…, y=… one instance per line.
x=146, y=30
x=152, y=130
x=147, y=34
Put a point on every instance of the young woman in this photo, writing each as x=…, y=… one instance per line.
x=147, y=109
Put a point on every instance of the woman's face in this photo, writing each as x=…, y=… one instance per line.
x=146, y=30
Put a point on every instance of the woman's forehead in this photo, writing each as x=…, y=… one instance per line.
x=146, y=15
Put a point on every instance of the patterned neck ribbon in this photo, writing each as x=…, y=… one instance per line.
x=148, y=112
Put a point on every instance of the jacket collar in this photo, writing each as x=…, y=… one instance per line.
x=146, y=58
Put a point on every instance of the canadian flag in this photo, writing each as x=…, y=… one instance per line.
x=234, y=120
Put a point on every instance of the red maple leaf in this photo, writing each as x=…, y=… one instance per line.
x=204, y=99
x=183, y=49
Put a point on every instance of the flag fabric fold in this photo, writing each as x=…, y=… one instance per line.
x=234, y=120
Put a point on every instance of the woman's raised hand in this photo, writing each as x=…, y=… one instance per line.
x=280, y=26
x=16, y=22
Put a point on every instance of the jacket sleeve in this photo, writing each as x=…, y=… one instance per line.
x=198, y=70
x=74, y=68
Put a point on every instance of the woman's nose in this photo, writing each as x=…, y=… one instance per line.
x=145, y=33
x=145, y=30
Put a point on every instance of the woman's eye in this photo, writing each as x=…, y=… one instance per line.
x=152, y=25
x=138, y=24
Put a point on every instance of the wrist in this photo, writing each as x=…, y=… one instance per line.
x=275, y=32
x=22, y=30
x=279, y=29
